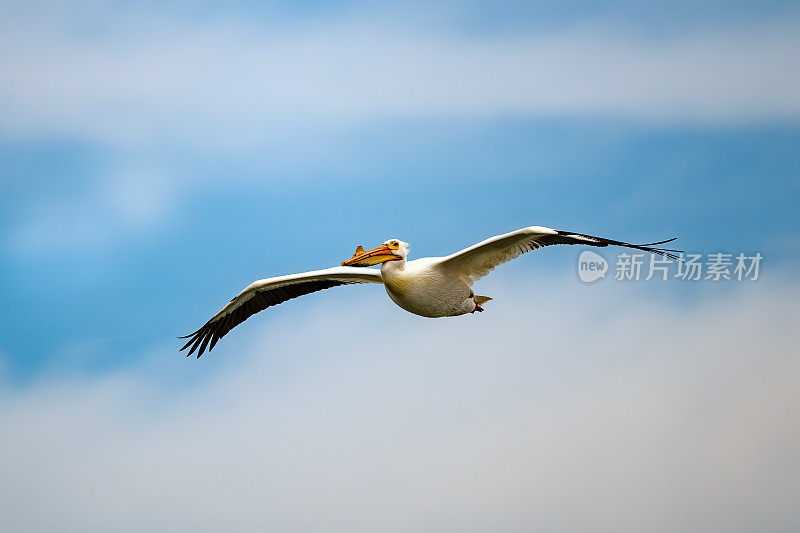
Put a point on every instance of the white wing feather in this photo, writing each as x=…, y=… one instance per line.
x=347, y=275
x=475, y=262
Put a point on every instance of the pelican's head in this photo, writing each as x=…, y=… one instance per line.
x=391, y=250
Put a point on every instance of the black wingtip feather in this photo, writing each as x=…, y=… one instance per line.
x=659, y=242
x=203, y=345
x=187, y=344
x=648, y=247
x=213, y=330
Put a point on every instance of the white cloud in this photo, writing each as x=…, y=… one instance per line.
x=141, y=80
x=228, y=80
x=545, y=412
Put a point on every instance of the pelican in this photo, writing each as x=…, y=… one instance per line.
x=430, y=287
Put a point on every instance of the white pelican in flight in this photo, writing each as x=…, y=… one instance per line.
x=430, y=287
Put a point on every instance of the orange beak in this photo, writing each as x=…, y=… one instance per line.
x=381, y=254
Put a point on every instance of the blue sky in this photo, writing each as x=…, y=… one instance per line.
x=155, y=160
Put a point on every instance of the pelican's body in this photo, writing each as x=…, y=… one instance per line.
x=424, y=288
x=431, y=287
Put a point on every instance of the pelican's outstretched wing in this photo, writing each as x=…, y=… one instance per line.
x=473, y=263
x=272, y=291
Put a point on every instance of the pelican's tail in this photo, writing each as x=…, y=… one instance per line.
x=480, y=300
